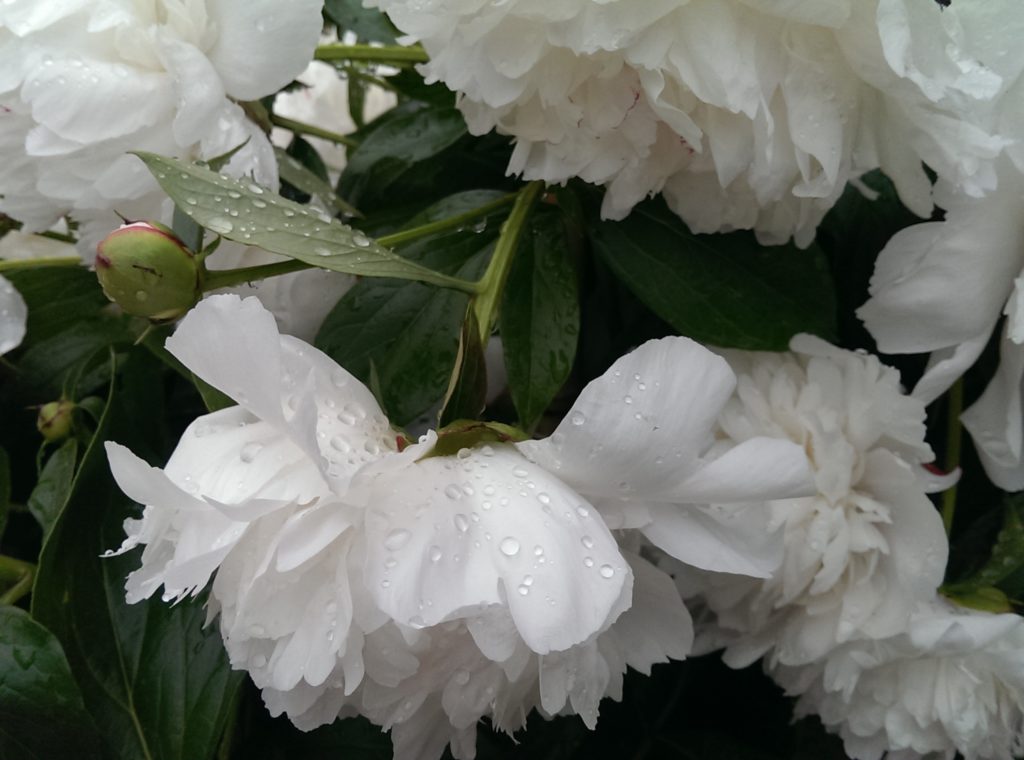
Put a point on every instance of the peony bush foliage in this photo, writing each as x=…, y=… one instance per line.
x=573, y=379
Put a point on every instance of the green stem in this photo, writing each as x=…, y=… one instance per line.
x=226, y=278
x=454, y=222
x=387, y=54
x=61, y=237
x=492, y=284
x=21, y=572
x=8, y=265
x=309, y=129
x=954, y=434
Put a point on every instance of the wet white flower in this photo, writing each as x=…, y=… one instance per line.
x=83, y=83
x=745, y=113
x=861, y=552
x=355, y=573
x=952, y=682
x=13, y=311
x=942, y=287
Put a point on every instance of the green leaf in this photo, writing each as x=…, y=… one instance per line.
x=1005, y=566
x=42, y=715
x=157, y=685
x=57, y=298
x=242, y=211
x=722, y=289
x=47, y=366
x=467, y=389
x=410, y=332
x=540, y=317
x=51, y=493
x=399, y=140
x=302, y=178
x=368, y=23
x=984, y=598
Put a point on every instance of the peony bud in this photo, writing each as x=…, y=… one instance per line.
x=54, y=420
x=145, y=269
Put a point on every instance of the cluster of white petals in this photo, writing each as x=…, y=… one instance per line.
x=84, y=82
x=356, y=574
x=861, y=552
x=942, y=287
x=744, y=113
x=952, y=682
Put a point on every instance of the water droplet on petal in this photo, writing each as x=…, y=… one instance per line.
x=543, y=498
x=396, y=539
x=577, y=418
x=340, y=444
x=588, y=561
x=461, y=522
x=461, y=677
x=607, y=571
x=435, y=554
x=249, y=451
x=509, y=546
x=453, y=492
x=587, y=542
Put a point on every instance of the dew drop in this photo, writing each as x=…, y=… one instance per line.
x=628, y=399
x=191, y=201
x=519, y=472
x=452, y=491
x=385, y=583
x=489, y=490
x=461, y=522
x=523, y=590
x=417, y=622
x=577, y=418
x=588, y=562
x=582, y=511
x=588, y=542
x=340, y=444
x=220, y=225
x=461, y=677
x=249, y=451
x=509, y=546
x=538, y=551
x=607, y=571
x=396, y=539
x=258, y=203
x=141, y=295
x=435, y=554
x=390, y=562
x=360, y=240
x=543, y=498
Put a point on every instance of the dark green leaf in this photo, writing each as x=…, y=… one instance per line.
x=246, y=213
x=410, y=332
x=368, y=23
x=400, y=139
x=51, y=493
x=5, y=489
x=59, y=364
x=57, y=298
x=42, y=716
x=158, y=686
x=409, y=83
x=190, y=233
x=540, y=317
x=296, y=174
x=721, y=289
x=213, y=399
x=467, y=390
x=1005, y=566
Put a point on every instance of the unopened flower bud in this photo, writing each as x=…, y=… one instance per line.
x=54, y=420
x=148, y=271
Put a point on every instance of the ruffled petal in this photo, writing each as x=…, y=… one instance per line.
x=449, y=538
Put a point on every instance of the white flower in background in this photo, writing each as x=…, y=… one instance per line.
x=941, y=287
x=83, y=83
x=323, y=102
x=358, y=574
x=861, y=552
x=745, y=113
x=952, y=682
x=13, y=311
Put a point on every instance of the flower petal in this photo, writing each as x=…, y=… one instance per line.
x=948, y=364
x=733, y=539
x=756, y=469
x=13, y=313
x=995, y=420
x=451, y=537
x=248, y=29
x=939, y=284
x=618, y=438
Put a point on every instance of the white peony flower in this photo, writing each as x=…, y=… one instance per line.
x=356, y=573
x=952, y=682
x=13, y=310
x=942, y=287
x=81, y=84
x=862, y=551
x=745, y=113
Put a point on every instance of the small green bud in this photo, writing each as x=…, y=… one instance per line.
x=54, y=420
x=146, y=270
